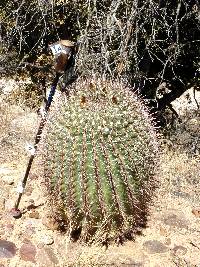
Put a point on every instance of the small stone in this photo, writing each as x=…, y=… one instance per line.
x=163, y=231
x=50, y=223
x=6, y=174
x=180, y=250
x=181, y=194
x=47, y=239
x=31, y=201
x=28, y=251
x=196, y=212
x=175, y=220
x=125, y=263
x=29, y=190
x=133, y=264
x=34, y=214
x=7, y=249
x=9, y=180
x=154, y=246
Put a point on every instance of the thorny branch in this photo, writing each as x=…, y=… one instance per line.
x=146, y=42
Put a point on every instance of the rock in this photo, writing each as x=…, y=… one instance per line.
x=29, y=190
x=120, y=262
x=181, y=194
x=50, y=223
x=135, y=264
x=127, y=262
x=154, y=246
x=8, y=175
x=47, y=257
x=179, y=250
x=31, y=201
x=9, y=180
x=7, y=249
x=28, y=251
x=175, y=220
x=163, y=231
x=34, y=214
x=47, y=239
x=196, y=212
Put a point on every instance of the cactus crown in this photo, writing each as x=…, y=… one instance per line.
x=100, y=149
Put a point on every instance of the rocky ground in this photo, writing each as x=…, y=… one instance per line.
x=170, y=239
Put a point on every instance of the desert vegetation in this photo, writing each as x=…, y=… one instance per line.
x=118, y=163
x=147, y=42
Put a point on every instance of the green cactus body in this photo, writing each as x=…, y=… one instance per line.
x=100, y=155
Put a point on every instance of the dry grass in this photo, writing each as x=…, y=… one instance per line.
x=15, y=131
x=180, y=172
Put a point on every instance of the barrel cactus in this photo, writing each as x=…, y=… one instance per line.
x=100, y=151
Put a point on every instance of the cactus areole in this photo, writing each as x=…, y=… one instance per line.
x=100, y=151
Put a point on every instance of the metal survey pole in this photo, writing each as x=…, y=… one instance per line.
x=64, y=52
x=15, y=211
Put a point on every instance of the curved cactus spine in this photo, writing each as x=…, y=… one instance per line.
x=100, y=155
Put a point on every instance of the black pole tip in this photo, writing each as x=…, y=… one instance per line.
x=16, y=213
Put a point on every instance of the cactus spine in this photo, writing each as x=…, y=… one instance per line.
x=100, y=154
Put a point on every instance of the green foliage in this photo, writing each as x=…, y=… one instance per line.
x=100, y=154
